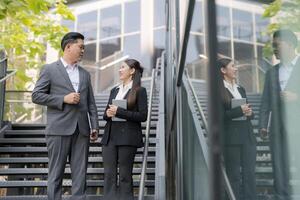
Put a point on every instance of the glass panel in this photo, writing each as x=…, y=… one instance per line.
x=87, y=25
x=223, y=21
x=261, y=27
x=109, y=47
x=224, y=47
x=69, y=24
x=89, y=56
x=159, y=13
x=195, y=48
x=197, y=21
x=132, y=16
x=242, y=25
x=132, y=46
x=110, y=20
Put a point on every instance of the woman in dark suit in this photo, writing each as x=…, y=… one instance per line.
x=122, y=138
x=239, y=140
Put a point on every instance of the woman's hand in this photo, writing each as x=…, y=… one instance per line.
x=247, y=111
x=111, y=112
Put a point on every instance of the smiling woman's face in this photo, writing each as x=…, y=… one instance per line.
x=125, y=72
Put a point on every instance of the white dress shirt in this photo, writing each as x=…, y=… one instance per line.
x=73, y=73
x=285, y=71
x=233, y=89
x=123, y=90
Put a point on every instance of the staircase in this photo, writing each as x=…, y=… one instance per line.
x=264, y=176
x=23, y=159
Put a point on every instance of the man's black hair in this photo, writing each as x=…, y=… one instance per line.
x=70, y=37
x=287, y=36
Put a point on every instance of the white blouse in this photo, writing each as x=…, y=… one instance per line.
x=233, y=89
x=123, y=90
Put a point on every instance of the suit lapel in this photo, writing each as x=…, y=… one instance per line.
x=115, y=92
x=64, y=73
x=81, y=78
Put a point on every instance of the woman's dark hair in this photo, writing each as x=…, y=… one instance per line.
x=222, y=63
x=136, y=78
x=70, y=37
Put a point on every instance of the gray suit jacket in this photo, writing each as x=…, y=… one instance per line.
x=50, y=89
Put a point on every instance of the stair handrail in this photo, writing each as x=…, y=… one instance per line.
x=8, y=75
x=146, y=145
x=228, y=187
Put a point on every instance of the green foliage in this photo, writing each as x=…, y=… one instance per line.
x=286, y=14
x=26, y=26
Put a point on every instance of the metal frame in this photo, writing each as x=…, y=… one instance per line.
x=145, y=153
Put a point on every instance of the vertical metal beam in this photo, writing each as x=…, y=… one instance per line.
x=3, y=69
x=215, y=122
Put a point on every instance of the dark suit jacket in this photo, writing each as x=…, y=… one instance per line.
x=282, y=112
x=237, y=132
x=129, y=132
x=50, y=89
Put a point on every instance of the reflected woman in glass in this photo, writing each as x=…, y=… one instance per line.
x=238, y=139
x=123, y=131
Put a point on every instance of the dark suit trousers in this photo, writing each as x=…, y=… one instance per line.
x=240, y=168
x=75, y=146
x=280, y=163
x=112, y=156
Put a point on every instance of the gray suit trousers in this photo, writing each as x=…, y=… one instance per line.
x=75, y=147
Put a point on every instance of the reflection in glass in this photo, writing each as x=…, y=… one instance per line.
x=223, y=21
x=68, y=23
x=132, y=16
x=159, y=13
x=110, y=21
x=132, y=46
x=109, y=47
x=195, y=48
x=244, y=57
x=224, y=47
x=242, y=25
x=197, y=21
x=89, y=56
x=87, y=25
x=261, y=26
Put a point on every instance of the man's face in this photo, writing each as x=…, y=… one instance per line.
x=281, y=49
x=76, y=50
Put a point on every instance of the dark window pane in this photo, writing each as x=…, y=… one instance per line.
x=109, y=47
x=159, y=13
x=87, y=25
x=261, y=26
x=242, y=25
x=195, y=48
x=110, y=20
x=223, y=21
x=224, y=47
x=197, y=22
x=89, y=56
x=69, y=24
x=132, y=16
x=132, y=46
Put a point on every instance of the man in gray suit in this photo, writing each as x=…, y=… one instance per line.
x=65, y=88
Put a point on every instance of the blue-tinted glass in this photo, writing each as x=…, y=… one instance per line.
x=159, y=38
x=87, y=25
x=132, y=46
x=242, y=25
x=109, y=47
x=223, y=21
x=243, y=52
x=197, y=21
x=159, y=13
x=224, y=47
x=89, y=55
x=261, y=26
x=132, y=16
x=110, y=20
x=69, y=24
x=195, y=48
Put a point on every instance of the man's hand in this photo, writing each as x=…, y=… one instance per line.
x=288, y=96
x=93, y=135
x=264, y=133
x=72, y=98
